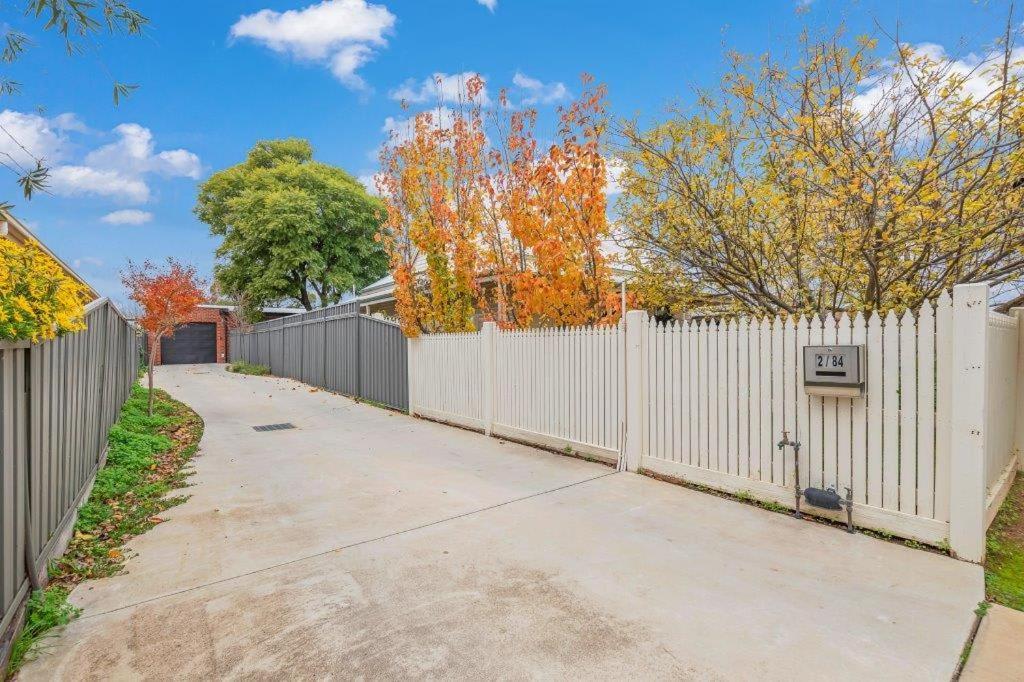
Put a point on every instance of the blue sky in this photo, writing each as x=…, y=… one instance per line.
x=217, y=76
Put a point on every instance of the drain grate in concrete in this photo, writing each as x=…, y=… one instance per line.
x=273, y=427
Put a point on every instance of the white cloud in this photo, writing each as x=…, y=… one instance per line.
x=87, y=260
x=128, y=216
x=341, y=34
x=177, y=163
x=73, y=181
x=440, y=87
x=890, y=87
x=345, y=63
x=27, y=137
x=538, y=92
x=134, y=154
x=489, y=4
x=70, y=122
x=116, y=170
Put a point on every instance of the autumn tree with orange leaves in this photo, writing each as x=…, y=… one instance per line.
x=478, y=217
x=166, y=297
x=434, y=206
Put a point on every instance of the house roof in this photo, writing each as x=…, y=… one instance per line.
x=17, y=232
x=271, y=311
x=382, y=290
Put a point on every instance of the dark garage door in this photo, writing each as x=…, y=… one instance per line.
x=191, y=343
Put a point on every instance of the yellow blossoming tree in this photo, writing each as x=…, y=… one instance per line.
x=848, y=177
x=38, y=301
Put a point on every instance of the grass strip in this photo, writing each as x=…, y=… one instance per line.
x=1004, y=565
x=243, y=367
x=147, y=460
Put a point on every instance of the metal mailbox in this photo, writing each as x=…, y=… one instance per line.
x=834, y=371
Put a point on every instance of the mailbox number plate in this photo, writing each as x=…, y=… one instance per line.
x=832, y=366
x=829, y=365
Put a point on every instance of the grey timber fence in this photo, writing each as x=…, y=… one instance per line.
x=335, y=348
x=58, y=400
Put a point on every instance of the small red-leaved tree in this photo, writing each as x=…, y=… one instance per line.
x=166, y=297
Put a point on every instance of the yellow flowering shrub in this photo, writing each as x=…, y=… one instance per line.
x=38, y=300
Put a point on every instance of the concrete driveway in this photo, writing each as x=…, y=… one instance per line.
x=366, y=544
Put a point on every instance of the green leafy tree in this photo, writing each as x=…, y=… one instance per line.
x=293, y=229
x=77, y=22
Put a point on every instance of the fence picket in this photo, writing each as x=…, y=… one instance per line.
x=756, y=435
x=789, y=411
x=875, y=403
x=926, y=411
x=765, y=404
x=908, y=413
x=858, y=417
x=703, y=395
x=891, y=412
x=658, y=448
x=816, y=419
x=844, y=409
x=778, y=398
x=743, y=397
x=720, y=383
x=803, y=332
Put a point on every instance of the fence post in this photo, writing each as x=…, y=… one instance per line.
x=323, y=350
x=301, y=326
x=636, y=320
x=487, y=336
x=410, y=371
x=967, y=449
x=359, y=355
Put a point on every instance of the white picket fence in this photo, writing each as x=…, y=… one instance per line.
x=720, y=395
x=928, y=452
x=448, y=384
x=559, y=388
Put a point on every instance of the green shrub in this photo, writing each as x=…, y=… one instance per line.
x=243, y=367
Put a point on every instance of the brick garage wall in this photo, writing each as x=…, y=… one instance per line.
x=225, y=321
